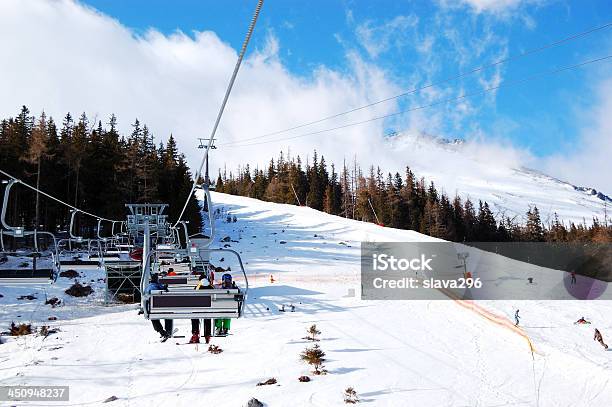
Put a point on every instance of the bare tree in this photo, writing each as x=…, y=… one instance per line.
x=36, y=152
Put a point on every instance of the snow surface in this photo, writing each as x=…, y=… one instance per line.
x=394, y=353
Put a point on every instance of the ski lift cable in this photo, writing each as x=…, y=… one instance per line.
x=373, y=211
x=296, y=195
x=438, y=102
x=223, y=103
x=74, y=208
x=447, y=79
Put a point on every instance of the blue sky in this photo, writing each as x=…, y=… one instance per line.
x=543, y=116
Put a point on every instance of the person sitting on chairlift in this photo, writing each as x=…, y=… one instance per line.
x=222, y=325
x=166, y=330
x=204, y=283
x=171, y=272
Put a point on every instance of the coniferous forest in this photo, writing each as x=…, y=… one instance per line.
x=400, y=201
x=92, y=167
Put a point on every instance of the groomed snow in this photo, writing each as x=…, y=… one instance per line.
x=394, y=353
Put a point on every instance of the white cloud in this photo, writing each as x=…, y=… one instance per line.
x=288, y=25
x=508, y=10
x=68, y=58
x=492, y=5
x=588, y=164
x=378, y=39
x=499, y=7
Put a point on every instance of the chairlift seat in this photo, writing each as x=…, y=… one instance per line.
x=185, y=284
x=190, y=304
x=175, y=280
x=25, y=277
x=111, y=254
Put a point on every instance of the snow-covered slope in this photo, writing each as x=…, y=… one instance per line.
x=494, y=175
x=394, y=353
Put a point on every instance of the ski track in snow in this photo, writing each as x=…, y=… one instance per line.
x=395, y=353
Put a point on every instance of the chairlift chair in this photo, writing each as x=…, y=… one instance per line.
x=75, y=253
x=10, y=275
x=182, y=301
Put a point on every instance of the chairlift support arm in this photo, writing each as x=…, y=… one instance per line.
x=7, y=192
x=211, y=218
x=98, y=230
x=72, y=216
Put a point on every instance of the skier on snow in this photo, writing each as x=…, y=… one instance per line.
x=222, y=325
x=582, y=321
x=599, y=338
x=195, y=323
x=155, y=285
x=516, y=318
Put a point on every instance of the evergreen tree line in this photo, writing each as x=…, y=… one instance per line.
x=91, y=166
x=404, y=202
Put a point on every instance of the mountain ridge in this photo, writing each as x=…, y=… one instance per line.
x=493, y=174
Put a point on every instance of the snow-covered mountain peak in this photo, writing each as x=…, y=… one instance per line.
x=495, y=174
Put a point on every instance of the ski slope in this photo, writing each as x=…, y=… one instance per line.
x=394, y=353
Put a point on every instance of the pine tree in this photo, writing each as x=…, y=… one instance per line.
x=458, y=219
x=348, y=200
x=24, y=124
x=146, y=167
x=78, y=151
x=350, y=396
x=333, y=193
x=316, y=187
x=260, y=184
x=313, y=332
x=486, y=226
x=183, y=182
x=363, y=211
x=409, y=196
x=66, y=148
x=315, y=357
x=469, y=221
x=219, y=183
x=557, y=233
x=534, y=231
